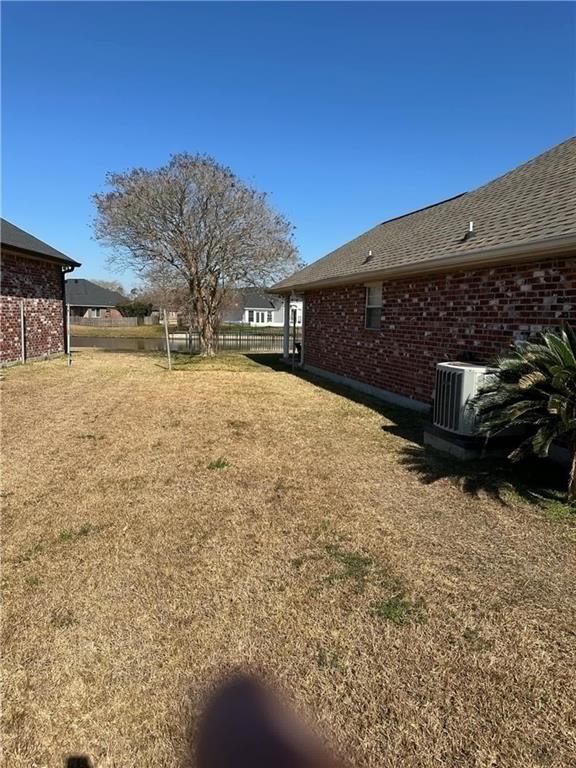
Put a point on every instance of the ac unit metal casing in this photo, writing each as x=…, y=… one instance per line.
x=456, y=384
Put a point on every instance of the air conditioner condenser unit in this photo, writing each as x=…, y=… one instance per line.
x=456, y=385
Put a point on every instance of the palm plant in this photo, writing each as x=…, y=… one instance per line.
x=534, y=384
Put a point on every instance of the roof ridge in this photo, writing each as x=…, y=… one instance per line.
x=424, y=208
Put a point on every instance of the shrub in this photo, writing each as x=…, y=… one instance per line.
x=535, y=385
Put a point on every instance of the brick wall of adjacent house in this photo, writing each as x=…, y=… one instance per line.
x=428, y=319
x=39, y=285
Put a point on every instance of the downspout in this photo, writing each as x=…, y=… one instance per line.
x=286, y=333
x=65, y=271
x=302, y=339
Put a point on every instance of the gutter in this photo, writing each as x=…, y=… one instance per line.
x=65, y=270
x=507, y=253
x=66, y=262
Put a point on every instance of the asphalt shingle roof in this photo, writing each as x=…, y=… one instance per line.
x=14, y=237
x=84, y=293
x=255, y=299
x=533, y=202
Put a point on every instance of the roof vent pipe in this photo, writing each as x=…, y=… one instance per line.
x=470, y=233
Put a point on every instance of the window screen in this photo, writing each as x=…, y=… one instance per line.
x=373, y=306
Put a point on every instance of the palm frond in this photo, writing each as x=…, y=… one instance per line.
x=531, y=379
x=534, y=384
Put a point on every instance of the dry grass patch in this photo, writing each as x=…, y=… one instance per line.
x=420, y=623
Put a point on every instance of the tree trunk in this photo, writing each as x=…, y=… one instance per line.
x=572, y=478
x=207, y=339
x=205, y=304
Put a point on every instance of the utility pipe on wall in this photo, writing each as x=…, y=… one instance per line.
x=293, y=310
x=22, y=333
x=286, y=335
x=68, y=348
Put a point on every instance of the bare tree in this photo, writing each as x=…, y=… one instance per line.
x=164, y=289
x=111, y=285
x=194, y=220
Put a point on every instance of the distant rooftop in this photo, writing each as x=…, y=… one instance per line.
x=85, y=293
x=254, y=298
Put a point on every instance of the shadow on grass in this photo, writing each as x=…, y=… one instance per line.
x=539, y=482
x=78, y=761
x=405, y=423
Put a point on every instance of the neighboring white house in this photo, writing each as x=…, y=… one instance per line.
x=251, y=306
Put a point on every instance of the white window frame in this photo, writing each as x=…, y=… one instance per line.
x=373, y=302
x=95, y=312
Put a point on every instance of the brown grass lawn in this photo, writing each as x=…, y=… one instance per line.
x=421, y=617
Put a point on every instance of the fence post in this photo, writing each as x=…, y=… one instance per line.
x=167, y=341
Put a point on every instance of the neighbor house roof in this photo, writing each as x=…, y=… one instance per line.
x=248, y=298
x=531, y=207
x=14, y=237
x=253, y=298
x=84, y=293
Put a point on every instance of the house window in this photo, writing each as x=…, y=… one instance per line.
x=373, y=306
x=269, y=317
x=95, y=311
x=250, y=315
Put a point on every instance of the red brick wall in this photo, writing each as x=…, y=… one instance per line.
x=432, y=318
x=39, y=284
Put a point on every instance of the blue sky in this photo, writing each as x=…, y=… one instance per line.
x=347, y=113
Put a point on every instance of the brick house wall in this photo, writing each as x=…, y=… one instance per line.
x=39, y=284
x=435, y=317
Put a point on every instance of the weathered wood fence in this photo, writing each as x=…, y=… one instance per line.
x=104, y=322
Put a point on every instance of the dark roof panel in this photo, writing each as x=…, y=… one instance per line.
x=254, y=298
x=84, y=293
x=14, y=237
x=534, y=202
